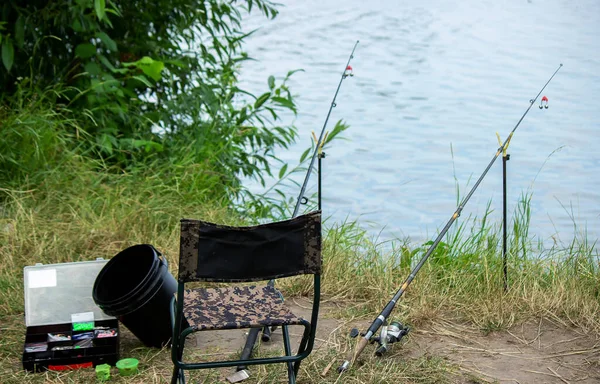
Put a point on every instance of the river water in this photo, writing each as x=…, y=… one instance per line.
x=434, y=81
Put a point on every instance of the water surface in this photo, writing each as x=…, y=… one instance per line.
x=434, y=81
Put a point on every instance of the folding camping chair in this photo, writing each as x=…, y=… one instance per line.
x=218, y=253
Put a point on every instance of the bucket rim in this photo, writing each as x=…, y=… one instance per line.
x=135, y=303
x=148, y=279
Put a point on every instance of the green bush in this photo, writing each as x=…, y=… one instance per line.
x=145, y=83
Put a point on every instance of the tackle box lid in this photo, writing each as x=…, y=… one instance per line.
x=62, y=293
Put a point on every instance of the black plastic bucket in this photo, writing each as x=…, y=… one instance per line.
x=136, y=287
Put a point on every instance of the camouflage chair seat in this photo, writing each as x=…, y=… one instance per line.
x=236, y=307
x=211, y=252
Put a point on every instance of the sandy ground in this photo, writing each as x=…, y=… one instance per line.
x=542, y=352
x=536, y=352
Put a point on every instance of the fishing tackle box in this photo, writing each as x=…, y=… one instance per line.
x=65, y=328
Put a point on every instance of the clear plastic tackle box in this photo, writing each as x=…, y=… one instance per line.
x=65, y=328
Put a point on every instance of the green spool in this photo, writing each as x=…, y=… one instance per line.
x=127, y=367
x=103, y=372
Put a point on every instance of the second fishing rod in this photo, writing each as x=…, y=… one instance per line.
x=387, y=310
x=241, y=372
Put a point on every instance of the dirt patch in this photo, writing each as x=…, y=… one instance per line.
x=536, y=352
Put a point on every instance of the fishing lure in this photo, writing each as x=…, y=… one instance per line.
x=348, y=72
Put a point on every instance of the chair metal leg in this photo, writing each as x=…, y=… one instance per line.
x=288, y=352
x=178, y=376
x=175, y=377
x=297, y=367
x=301, y=348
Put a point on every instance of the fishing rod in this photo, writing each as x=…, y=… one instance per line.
x=241, y=371
x=387, y=310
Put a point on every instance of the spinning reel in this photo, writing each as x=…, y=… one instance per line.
x=390, y=334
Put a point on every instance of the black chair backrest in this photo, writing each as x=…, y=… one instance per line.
x=213, y=252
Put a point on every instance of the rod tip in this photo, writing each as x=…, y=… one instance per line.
x=561, y=64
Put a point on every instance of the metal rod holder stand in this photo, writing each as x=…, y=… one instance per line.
x=505, y=158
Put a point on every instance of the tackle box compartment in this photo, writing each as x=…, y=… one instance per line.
x=65, y=328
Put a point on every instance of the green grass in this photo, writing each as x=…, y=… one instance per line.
x=97, y=215
x=463, y=277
